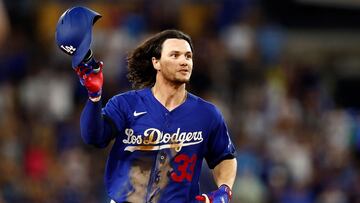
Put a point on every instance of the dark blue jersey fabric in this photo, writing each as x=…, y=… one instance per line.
x=157, y=154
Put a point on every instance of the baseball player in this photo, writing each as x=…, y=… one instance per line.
x=162, y=132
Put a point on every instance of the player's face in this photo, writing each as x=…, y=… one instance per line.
x=176, y=63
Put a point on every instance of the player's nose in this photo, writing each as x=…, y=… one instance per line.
x=184, y=61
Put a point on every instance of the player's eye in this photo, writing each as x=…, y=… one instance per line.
x=188, y=56
x=174, y=55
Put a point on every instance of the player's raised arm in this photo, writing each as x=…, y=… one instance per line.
x=94, y=129
x=73, y=36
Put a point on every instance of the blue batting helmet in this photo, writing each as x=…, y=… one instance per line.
x=74, y=32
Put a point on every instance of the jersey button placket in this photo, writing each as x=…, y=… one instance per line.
x=167, y=122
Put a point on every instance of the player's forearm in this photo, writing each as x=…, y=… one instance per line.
x=94, y=130
x=225, y=172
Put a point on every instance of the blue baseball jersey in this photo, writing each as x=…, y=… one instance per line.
x=157, y=154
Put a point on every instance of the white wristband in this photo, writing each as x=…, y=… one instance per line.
x=95, y=99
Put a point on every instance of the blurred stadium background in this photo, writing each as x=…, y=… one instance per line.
x=285, y=73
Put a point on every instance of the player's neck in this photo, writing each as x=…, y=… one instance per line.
x=170, y=96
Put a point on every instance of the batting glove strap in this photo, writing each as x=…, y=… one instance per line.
x=222, y=195
x=95, y=94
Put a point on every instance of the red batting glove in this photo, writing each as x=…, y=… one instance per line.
x=91, y=76
x=221, y=195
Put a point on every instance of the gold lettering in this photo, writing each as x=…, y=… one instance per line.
x=154, y=139
x=189, y=136
x=174, y=137
x=199, y=137
x=182, y=137
x=129, y=133
x=153, y=135
x=166, y=138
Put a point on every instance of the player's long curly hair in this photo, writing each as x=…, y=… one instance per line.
x=141, y=71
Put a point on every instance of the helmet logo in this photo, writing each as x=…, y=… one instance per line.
x=68, y=49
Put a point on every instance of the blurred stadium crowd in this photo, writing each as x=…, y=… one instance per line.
x=292, y=115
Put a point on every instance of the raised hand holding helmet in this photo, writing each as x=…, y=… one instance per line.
x=73, y=36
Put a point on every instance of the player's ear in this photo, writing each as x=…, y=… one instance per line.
x=155, y=63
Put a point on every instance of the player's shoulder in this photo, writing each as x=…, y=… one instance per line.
x=205, y=105
x=129, y=95
x=126, y=99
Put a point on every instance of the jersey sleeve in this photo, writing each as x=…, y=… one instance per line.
x=115, y=112
x=95, y=130
x=219, y=145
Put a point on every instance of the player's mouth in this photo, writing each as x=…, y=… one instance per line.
x=184, y=71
